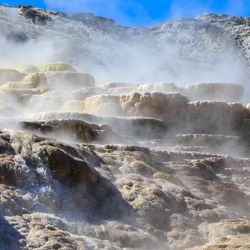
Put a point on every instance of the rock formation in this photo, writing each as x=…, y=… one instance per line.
x=91, y=164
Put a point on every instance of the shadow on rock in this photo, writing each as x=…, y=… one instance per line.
x=9, y=237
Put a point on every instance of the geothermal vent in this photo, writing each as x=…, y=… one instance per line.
x=114, y=137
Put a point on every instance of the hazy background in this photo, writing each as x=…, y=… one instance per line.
x=142, y=12
x=199, y=53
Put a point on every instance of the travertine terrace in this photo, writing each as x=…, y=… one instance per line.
x=88, y=162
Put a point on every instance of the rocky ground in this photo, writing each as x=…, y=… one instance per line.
x=120, y=166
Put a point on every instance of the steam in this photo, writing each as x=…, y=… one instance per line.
x=185, y=61
x=32, y=52
x=170, y=89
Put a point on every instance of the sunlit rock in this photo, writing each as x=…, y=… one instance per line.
x=27, y=68
x=56, y=67
x=35, y=80
x=103, y=104
x=59, y=80
x=169, y=107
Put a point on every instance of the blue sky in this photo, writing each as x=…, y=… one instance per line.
x=142, y=12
